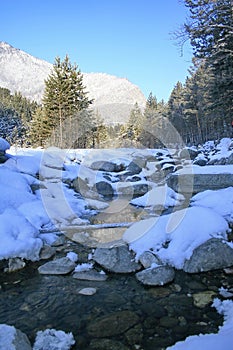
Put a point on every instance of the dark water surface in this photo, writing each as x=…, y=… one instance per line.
x=123, y=314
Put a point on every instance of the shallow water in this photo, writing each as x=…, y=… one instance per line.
x=123, y=314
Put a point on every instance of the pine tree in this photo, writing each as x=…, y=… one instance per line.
x=64, y=96
x=210, y=31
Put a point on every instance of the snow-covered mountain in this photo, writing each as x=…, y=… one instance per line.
x=114, y=97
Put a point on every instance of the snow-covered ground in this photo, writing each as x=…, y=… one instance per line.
x=29, y=204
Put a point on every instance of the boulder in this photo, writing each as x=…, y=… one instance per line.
x=133, y=189
x=195, y=183
x=188, y=153
x=104, y=189
x=148, y=258
x=212, y=255
x=61, y=266
x=116, y=258
x=156, y=276
x=12, y=338
x=133, y=168
x=4, y=145
x=90, y=275
x=107, y=166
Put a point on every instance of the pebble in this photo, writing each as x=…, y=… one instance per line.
x=87, y=291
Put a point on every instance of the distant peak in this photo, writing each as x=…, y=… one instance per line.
x=3, y=44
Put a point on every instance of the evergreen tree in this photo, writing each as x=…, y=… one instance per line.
x=210, y=31
x=64, y=96
x=134, y=127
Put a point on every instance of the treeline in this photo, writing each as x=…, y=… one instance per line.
x=202, y=107
x=198, y=110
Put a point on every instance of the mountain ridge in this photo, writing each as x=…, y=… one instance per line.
x=114, y=97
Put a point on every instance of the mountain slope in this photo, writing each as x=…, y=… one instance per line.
x=114, y=97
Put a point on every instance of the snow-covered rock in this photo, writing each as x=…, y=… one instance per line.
x=12, y=338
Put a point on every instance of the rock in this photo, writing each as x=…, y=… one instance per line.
x=91, y=275
x=15, y=264
x=87, y=291
x=203, y=299
x=133, y=168
x=107, y=344
x=200, y=161
x=16, y=340
x=195, y=183
x=47, y=252
x=188, y=153
x=148, y=258
x=212, y=255
x=112, y=324
x=133, y=190
x=116, y=259
x=60, y=266
x=156, y=276
x=107, y=166
x=104, y=189
x=230, y=159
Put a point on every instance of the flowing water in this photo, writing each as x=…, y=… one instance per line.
x=122, y=314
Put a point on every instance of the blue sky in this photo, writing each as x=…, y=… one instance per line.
x=126, y=38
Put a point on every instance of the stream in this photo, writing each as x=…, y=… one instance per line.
x=122, y=314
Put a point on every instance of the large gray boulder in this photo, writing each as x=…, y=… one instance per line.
x=214, y=254
x=12, y=338
x=195, y=183
x=156, y=276
x=116, y=258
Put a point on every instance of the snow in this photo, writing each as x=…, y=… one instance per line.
x=222, y=340
x=159, y=196
x=53, y=340
x=183, y=231
x=7, y=335
x=221, y=201
x=83, y=267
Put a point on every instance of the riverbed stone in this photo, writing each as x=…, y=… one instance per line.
x=203, y=299
x=104, y=189
x=19, y=340
x=107, y=344
x=107, y=166
x=117, y=258
x=112, y=324
x=61, y=266
x=91, y=275
x=87, y=291
x=148, y=258
x=214, y=254
x=47, y=252
x=156, y=276
x=15, y=264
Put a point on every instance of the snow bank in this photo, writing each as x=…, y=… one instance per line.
x=222, y=340
x=174, y=237
x=221, y=201
x=159, y=196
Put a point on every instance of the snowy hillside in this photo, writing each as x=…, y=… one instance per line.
x=114, y=97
